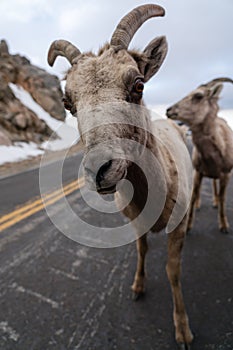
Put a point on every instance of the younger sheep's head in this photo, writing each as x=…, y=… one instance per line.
x=99, y=90
x=200, y=103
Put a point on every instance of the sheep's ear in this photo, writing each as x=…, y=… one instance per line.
x=215, y=90
x=155, y=53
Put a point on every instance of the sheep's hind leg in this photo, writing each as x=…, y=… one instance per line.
x=215, y=193
x=196, y=190
x=223, y=223
x=175, y=243
x=138, y=286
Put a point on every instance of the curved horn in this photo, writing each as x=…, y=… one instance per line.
x=129, y=24
x=218, y=80
x=62, y=48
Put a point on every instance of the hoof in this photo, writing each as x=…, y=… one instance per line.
x=224, y=230
x=183, y=346
x=136, y=296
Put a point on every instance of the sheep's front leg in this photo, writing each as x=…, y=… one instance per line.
x=175, y=243
x=196, y=192
x=223, y=223
x=198, y=198
x=138, y=286
x=215, y=193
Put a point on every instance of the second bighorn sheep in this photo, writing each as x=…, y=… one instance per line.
x=213, y=143
x=115, y=77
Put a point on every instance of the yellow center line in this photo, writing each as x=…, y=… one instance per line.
x=39, y=201
x=32, y=208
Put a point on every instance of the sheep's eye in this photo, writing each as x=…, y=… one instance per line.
x=67, y=103
x=197, y=97
x=139, y=86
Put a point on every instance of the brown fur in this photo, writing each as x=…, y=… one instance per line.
x=213, y=144
x=92, y=83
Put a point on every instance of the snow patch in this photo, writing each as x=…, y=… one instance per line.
x=159, y=110
x=227, y=114
x=5, y=328
x=18, y=152
x=67, y=132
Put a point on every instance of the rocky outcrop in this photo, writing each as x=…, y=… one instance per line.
x=18, y=122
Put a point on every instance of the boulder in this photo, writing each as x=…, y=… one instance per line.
x=20, y=121
x=4, y=138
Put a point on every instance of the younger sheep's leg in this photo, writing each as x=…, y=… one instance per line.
x=223, y=223
x=198, y=199
x=138, y=286
x=175, y=243
x=215, y=193
x=196, y=190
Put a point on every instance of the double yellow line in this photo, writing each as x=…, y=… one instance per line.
x=29, y=209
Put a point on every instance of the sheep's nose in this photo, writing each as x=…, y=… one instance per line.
x=102, y=171
x=96, y=168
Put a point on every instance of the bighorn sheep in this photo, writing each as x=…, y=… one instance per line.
x=213, y=143
x=116, y=76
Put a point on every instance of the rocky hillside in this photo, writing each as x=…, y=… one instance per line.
x=18, y=122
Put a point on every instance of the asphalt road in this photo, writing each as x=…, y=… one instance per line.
x=56, y=294
x=20, y=188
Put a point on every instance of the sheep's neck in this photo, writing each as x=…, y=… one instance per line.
x=205, y=140
x=207, y=128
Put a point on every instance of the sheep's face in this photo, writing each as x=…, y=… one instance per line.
x=193, y=109
x=98, y=89
x=105, y=93
x=96, y=80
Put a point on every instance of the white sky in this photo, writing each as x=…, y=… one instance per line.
x=199, y=34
